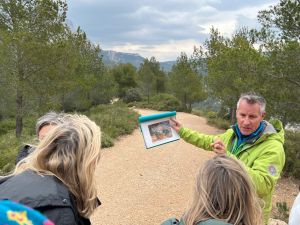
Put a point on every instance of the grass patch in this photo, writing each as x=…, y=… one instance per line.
x=9, y=148
x=160, y=102
x=282, y=211
x=115, y=120
x=212, y=118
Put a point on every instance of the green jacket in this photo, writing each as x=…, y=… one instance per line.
x=263, y=159
x=174, y=221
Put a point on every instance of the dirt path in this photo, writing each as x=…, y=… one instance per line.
x=144, y=187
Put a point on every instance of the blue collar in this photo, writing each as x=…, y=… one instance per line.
x=256, y=134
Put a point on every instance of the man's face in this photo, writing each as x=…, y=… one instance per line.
x=248, y=117
x=44, y=130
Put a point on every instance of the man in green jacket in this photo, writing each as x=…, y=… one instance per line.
x=254, y=141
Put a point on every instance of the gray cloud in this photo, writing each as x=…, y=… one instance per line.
x=156, y=22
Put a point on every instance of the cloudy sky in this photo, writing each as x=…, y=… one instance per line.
x=161, y=28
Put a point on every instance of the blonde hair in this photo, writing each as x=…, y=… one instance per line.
x=224, y=191
x=70, y=151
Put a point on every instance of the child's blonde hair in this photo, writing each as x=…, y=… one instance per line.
x=224, y=191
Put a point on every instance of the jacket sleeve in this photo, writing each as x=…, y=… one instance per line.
x=198, y=139
x=267, y=167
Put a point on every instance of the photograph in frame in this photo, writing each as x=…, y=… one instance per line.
x=157, y=129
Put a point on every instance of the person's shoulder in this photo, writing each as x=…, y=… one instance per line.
x=31, y=187
x=174, y=221
x=213, y=222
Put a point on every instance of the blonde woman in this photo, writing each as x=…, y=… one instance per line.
x=223, y=195
x=57, y=179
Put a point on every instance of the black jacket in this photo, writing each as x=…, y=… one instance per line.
x=44, y=193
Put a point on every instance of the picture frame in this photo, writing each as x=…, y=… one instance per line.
x=157, y=130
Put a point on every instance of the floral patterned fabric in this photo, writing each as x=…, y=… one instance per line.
x=12, y=213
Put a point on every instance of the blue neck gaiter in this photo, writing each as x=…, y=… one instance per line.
x=243, y=138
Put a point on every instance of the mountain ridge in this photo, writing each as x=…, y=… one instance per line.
x=112, y=58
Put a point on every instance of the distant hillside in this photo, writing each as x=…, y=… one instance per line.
x=112, y=58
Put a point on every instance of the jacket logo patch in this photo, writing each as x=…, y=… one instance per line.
x=272, y=170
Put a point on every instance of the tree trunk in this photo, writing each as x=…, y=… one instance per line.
x=19, y=96
x=19, y=114
x=185, y=101
x=232, y=115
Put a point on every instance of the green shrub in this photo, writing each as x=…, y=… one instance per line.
x=106, y=140
x=199, y=112
x=282, y=211
x=219, y=123
x=132, y=95
x=7, y=168
x=7, y=125
x=161, y=102
x=115, y=120
x=9, y=147
x=212, y=118
x=292, y=153
x=212, y=115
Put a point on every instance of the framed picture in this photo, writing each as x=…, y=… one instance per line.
x=157, y=129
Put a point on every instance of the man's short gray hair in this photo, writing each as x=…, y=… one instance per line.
x=50, y=118
x=252, y=98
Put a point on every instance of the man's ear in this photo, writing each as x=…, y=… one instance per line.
x=263, y=115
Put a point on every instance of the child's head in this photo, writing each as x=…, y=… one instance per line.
x=224, y=191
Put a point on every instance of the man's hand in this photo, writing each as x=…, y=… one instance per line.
x=218, y=147
x=175, y=125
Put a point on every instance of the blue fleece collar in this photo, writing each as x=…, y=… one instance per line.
x=253, y=136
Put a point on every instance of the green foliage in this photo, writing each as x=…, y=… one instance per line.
x=125, y=76
x=212, y=115
x=7, y=125
x=234, y=66
x=292, y=153
x=151, y=78
x=212, y=118
x=132, y=95
x=219, y=123
x=285, y=16
x=186, y=84
x=283, y=211
x=45, y=65
x=9, y=147
x=280, y=37
x=104, y=88
x=285, y=59
x=31, y=46
x=106, y=140
x=115, y=120
x=161, y=102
